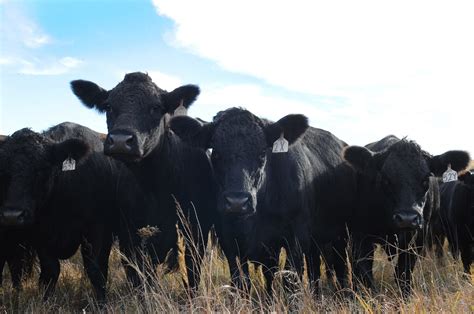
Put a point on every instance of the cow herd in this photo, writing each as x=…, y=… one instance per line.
x=260, y=185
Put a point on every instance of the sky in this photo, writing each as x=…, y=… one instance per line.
x=359, y=69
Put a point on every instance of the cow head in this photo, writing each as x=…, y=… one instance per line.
x=136, y=110
x=28, y=162
x=398, y=178
x=241, y=144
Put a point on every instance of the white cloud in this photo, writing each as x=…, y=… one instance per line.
x=402, y=67
x=22, y=39
x=55, y=67
x=18, y=27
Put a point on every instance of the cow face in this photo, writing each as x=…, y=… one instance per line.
x=241, y=144
x=398, y=179
x=136, y=111
x=28, y=163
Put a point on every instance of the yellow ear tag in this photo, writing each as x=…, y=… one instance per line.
x=280, y=145
x=69, y=164
x=450, y=175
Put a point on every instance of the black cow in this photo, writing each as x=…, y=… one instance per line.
x=456, y=219
x=167, y=170
x=61, y=209
x=266, y=200
x=393, y=197
x=15, y=245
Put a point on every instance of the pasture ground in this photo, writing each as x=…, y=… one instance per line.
x=439, y=286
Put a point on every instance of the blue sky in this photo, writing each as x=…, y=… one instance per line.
x=361, y=70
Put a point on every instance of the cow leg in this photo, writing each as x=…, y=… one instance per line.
x=339, y=261
x=16, y=266
x=96, y=261
x=193, y=269
x=2, y=265
x=439, y=241
x=239, y=274
x=314, y=268
x=363, y=254
x=269, y=264
x=466, y=257
x=403, y=271
x=50, y=269
x=130, y=258
x=406, y=263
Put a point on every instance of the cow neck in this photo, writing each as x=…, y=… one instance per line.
x=157, y=167
x=274, y=183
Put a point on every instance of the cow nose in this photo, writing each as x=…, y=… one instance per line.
x=237, y=202
x=12, y=217
x=119, y=143
x=407, y=220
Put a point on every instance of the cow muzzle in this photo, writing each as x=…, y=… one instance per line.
x=411, y=221
x=239, y=203
x=12, y=217
x=122, y=145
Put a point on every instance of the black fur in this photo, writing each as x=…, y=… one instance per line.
x=63, y=210
x=456, y=219
x=279, y=186
x=15, y=245
x=164, y=167
x=394, y=179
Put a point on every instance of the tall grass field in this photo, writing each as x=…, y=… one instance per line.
x=440, y=285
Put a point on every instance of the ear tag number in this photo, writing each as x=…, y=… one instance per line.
x=69, y=164
x=450, y=175
x=280, y=145
x=181, y=110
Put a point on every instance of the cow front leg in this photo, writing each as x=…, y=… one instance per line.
x=466, y=256
x=95, y=258
x=363, y=259
x=49, y=275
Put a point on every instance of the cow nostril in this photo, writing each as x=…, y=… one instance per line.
x=237, y=203
x=129, y=141
x=21, y=217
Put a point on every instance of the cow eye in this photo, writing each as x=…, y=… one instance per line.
x=154, y=109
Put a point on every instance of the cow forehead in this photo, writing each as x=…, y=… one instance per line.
x=135, y=94
x=237, y=133
x=24, y=150
x=405, y=167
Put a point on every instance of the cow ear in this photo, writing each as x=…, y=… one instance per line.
x=184, y=95
x=72, y=148
x=192, y=131
x=292, y=126
x=458, y=159
x=90, y=94
x=358, y=157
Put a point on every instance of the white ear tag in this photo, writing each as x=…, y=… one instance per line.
x=450, y=175
x=280, y=145
x=69, y=164
x=181, y=110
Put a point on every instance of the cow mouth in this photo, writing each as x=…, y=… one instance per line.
x=125, y=157
x=15, y=218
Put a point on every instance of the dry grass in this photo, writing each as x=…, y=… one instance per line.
x=439, y=286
